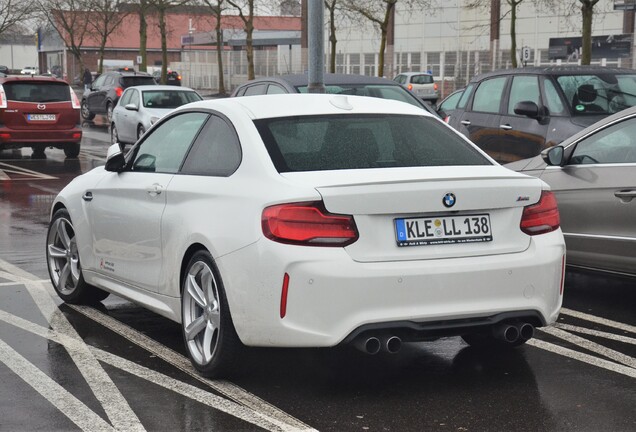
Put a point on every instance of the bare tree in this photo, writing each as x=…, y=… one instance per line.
x=161, y=7
x=106, y=18
x=379, y=12
x=14, y=12
x=71, y=19
x=217, y=7
x=248, y=22
x=587, y=12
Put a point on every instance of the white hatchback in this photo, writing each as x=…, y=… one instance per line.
x=311, y=221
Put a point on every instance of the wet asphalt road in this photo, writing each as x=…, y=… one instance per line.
x=117, y=366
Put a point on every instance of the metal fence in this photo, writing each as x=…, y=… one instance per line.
x=452, y=69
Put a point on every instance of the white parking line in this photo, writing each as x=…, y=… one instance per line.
x=29, y=174
x=598, y=320
x=605, y=335
x=57, y=395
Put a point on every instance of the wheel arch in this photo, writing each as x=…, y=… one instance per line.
x=189, y=253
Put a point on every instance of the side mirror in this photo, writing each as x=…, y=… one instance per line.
x=554, y=156
x=528, y=109
x=115, y=160
x=132, y=107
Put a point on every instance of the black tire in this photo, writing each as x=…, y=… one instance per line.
x=72, y=150
x=62, y=258
x=212, y=351
x=109, y=112
x=38, y=153
x=114, y=136
x=86, y=113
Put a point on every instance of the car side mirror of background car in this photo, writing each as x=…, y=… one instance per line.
x=115, y=160
x=554, y=156
x=528, y=109
x=132, y=107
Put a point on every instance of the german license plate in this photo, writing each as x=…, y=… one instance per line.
x=443, y=230
x=41, y=117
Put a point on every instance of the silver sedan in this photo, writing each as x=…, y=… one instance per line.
x=141, y=106
x=593, y=175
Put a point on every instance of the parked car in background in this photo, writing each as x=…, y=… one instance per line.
x=379, y=224
x=355, y=85
x=29, y=70
x=515, y=114
x=39, y=112
x=421, y=84
x=106, y=90
x=4, y=70
x=172, y=77
x=141, y=106
x=593, y=175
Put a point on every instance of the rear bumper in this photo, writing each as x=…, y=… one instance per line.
x=12, y=138
x=331, y=296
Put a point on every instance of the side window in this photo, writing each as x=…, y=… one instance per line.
x=464, y=99
x=451, y=102
x=258, y=89
x=524, y=88
x=216, y=152
x=275, y=89
x=615, y=144
x=99, y=81
x=552, y=99
x=125, y=98
x=488, y=95
x=134, y=98
x=163, y=150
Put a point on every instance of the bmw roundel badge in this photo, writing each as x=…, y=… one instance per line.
x=449, y=200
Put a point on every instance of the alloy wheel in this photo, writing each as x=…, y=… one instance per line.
x=63, y=257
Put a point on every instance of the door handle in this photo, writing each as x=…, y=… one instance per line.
x=505, y=127
x=154, y=190
x=465, y=122
x=625, y=195
x=88, y=196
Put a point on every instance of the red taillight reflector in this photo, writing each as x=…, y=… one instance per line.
x=119, y=91
x=77, y=135
x=308, y=224
x=435, y=86
x=410, y=87
x=179, y=77
x=542, y=217
x=283, y=296
x=5, y=136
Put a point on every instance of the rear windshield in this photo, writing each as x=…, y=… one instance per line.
x=130, y=81
x=33, y=91
x=169, y=98
x=394, y=92
x=422, y=79
x=316, y=143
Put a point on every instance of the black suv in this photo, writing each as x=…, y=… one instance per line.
x=515, y=114
x=104, y=93
x=172, y=77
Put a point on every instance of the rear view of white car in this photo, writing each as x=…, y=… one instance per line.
x=311, y=221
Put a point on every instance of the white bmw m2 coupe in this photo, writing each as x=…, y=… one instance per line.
x=311, y=221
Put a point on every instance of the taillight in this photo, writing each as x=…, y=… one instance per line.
x=74, y=100
x=542, y=217
x=3, y=98
x=119, y=91
x=447, y=119
x=308, y=224
x=179, y=77
x=410, y=87
x=435, y=86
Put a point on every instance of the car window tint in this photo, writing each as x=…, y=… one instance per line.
x=488, y=95
x=164, y=148
x=99, y=81
x=169, y=99
x=129, y=81
x=464, y=99
x=274, y=89
x=33, y=91
x=451, y=102
x=524, y=88
x=612, y=145
x=216, y=152
x=552, y=99
x=315, y=143
x=134, y=98
x=422, y=79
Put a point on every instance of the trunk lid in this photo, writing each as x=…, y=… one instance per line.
x=417, y=194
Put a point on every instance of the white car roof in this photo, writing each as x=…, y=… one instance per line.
x=286, y=105
x=160, y=87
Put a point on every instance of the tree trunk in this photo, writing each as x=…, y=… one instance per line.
x=143, y=36
x=587, y=10
x=249, y=49
x=513, y=32
x=381, y=54
x=332, y=40
x=164, y=46
x=219, y=54
x=100, y=64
